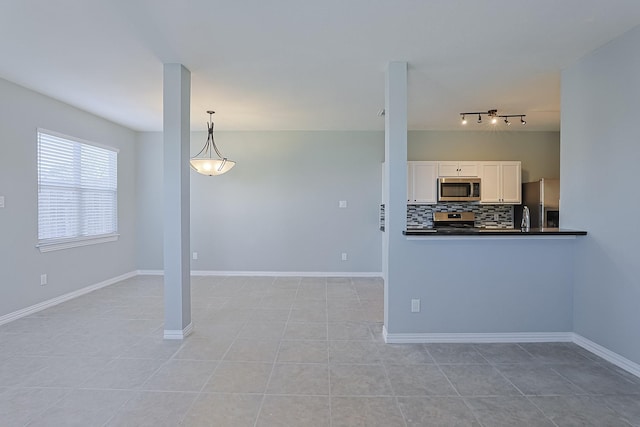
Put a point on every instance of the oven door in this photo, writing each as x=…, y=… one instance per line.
x=458, y=189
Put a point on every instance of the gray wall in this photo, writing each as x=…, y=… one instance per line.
x=277, y=210
x=21, y=263
x=539, y=152
x=482, y=286
x=600, y=155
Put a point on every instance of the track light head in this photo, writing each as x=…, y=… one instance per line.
x=506, y=121
x=493, y=115
x=479, y=118
x=522, y=121
x=464, y=120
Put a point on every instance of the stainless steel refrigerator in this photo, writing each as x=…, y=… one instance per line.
x=543, y=200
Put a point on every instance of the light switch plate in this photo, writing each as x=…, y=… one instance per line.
x=342, y=204
x=1, y=201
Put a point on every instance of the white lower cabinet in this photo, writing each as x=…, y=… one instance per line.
x=422, y=183
x=501, y=182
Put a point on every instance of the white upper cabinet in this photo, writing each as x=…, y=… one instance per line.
x=422, y=182
x=501, y=182
x=457, y=168
x=490, y=184
x=511, y=182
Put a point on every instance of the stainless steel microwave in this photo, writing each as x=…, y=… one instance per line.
x=458, y=189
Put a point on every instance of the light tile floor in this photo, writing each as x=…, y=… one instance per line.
x=285, y=352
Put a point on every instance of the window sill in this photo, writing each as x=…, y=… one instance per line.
x=74, y=243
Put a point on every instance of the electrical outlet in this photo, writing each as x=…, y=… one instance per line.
x=195, y=255
x=342, y=204
x=344, y=256
x=415, y=305
x=43, y=279
x=1, y=201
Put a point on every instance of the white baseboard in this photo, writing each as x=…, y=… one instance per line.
x=62, y=298
x=502, y=337
x=516, y=337
x=608, y=355
x=150, y=272
x=178, y=334
x=272, y=273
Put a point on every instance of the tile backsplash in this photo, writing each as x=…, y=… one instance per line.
x=421, y=216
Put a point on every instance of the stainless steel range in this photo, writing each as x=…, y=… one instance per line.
x=454, y=222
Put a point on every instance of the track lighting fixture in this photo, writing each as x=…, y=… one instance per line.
x=493, y=117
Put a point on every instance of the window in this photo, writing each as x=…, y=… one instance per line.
x=77, y=192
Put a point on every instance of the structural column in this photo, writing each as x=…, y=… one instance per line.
x=395, y=182
x=177, y=268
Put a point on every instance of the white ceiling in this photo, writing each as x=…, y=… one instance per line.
x=296, y=64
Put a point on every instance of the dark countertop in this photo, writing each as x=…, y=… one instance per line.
x=426, y=232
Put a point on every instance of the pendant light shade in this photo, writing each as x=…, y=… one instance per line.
x=205, y=162
x=212, y=166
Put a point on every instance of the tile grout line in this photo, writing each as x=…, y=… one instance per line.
x=219, y=362
x=460, y=396
x=393, y=391
x=527, y=397
x=210, y=375
x=275, y=357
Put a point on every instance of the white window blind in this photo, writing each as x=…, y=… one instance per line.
x=77, y=189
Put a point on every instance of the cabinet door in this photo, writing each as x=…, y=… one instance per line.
x=448, y=168
x=424, y=182
x=511, y=182
x=468, y=169
x=457, y=168
x=490, y=185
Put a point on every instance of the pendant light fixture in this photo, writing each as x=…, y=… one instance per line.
x=493, y=117
x=204, y=162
